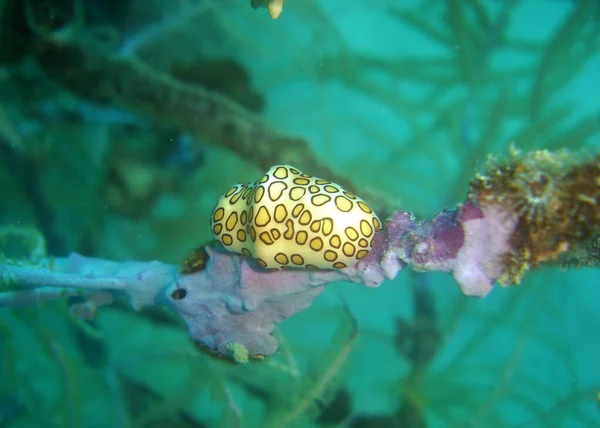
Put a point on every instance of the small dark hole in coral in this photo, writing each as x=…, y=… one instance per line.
x=179, y=294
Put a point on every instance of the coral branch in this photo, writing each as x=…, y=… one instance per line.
x=231, y=301
x=35, y=296
x=527, y=210
x=530, y=209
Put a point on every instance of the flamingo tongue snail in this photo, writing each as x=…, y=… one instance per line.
x=291, y=219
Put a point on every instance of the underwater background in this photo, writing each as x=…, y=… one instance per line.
x=403, y=98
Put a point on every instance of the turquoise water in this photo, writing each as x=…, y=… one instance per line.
x=404, y=99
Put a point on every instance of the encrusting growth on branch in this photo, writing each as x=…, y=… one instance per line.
x=556, y=197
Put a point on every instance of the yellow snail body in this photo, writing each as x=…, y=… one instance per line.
x=291, y=219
